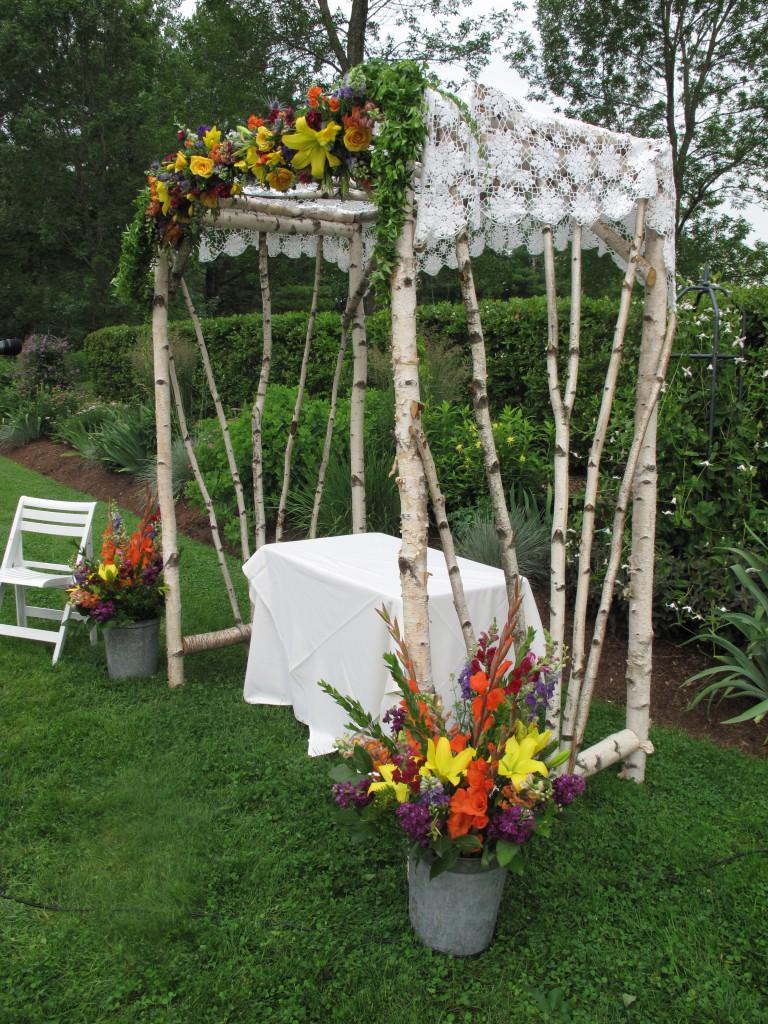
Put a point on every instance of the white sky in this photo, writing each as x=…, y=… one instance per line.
x=499, y=75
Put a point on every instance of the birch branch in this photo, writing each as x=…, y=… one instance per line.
x=645, y=270
x=357, y=399
x=617, y=538
x=259, y=512
x=446, y=537
x=504, y=530
x=219, y=638
x=299, y=393
x=593, y=478
x=346, y=319
x=221, y=416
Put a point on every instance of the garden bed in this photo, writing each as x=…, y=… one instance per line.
x=672, y=662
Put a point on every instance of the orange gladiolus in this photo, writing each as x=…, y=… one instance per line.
x=487, y=703
x=254, y=122
x=477, y=775
x=479, y=682
x=459, y=742
x=313, y=96
x=468, y=807
x=333, y=103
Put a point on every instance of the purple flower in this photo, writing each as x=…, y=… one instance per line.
x=539, y=695
x=514, y=825
x=104, y=611
x=466, y=690
x=351, y=794
x=432, y=794
x=395, y=719
x=566, y=788
x=202, y=130
x=314, y=120
x=415, y=820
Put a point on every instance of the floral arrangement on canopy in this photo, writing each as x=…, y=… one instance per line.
x=473, y=783
x=126, y=584
x=328, y=142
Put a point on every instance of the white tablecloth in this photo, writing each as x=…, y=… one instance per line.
x=315, y=618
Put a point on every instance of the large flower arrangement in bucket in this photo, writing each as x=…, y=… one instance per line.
x=124, y=590
x=469, y=788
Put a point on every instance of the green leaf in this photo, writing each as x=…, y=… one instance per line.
x=362, y=760
x=506, y=853
x=343, y=773
x=628, y=999
x=443, y=863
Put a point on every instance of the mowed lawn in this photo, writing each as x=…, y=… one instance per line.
x=189, y=846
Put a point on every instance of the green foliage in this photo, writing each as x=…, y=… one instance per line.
x=531, y=520
x=740, y=638
x=29, y=417
x=133, y=282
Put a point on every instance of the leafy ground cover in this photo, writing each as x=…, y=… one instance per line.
x=190, y=846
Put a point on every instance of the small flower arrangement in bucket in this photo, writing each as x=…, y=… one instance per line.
x=470, y=789
x=124, y=591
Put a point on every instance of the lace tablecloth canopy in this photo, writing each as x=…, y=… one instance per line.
x=501, y=179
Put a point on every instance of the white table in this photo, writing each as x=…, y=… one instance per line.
x=315, y=618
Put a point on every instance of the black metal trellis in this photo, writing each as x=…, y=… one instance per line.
x=715, y=356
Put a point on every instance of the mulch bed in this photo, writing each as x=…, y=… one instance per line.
x=672, y=662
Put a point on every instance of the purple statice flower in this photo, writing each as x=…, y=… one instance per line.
x=395, y=719
x=351, y=794
x=415, y=820
x=513, y=824
x=566, y=788
x=432, y=794
x=466, y=691
x=202, y=130
x=104, y=611
x=539, y=695
x=80, y=575
x=117, y=522
x=344, y=93
x=288, y=154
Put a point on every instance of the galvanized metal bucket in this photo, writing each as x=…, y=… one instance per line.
x=456, y=912
x=132, y=649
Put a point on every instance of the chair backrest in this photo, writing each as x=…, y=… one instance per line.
x=53, y=519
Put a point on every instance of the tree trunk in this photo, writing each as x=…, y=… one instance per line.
x=359, y=380
x=299, y=394
x=221, y=416
x=504, y=530
x=640, y=646
x=259, y=512
x=163, y=423
x=410, y=479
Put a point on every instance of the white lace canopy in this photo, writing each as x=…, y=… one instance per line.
x=522, y=171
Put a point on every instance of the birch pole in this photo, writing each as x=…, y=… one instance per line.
x=411, y=480
x=200, y=481
x=640, y=640
x=359, y=381
x=299, y=393
x=646, y=413
x=504, y=530
x=346, y=320
x=221, y=416
x=446, y=537
x=578, y=653
x=259, y=512
x=562, y=408
x=160, y=354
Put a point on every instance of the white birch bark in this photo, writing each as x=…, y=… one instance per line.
x=240, y=634
x=259, y=512
x=617, y=537
x=411, y=480
x=163, y=423
x=578, y=652
x=280, y=525
x=446, y=539
x=237, y=483
x=609, y=751
x=562, y=407
x=200, y=481
x=640, y=639
x=504, y=530
x=359, y=381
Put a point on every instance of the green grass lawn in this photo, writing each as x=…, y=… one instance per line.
x=189, y=839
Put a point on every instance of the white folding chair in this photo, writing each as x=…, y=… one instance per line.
x=53, y=519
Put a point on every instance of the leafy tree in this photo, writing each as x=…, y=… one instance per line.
x=696, y=73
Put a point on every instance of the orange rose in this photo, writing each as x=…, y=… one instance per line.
x=254, y=122
x=468, y=807
x=333, y=103
x=357, y=139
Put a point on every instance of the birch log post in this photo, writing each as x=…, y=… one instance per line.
x=259, y=512
x=562, y=408
x=647, y=410
x=359, y=381
x=578, y=651
x=160, y=353
x=200, y=481
x=640, y=640
x=237, y=483
x=504, y=530
x=280, y=525
x=446, y=538
x=346, y=320
x=411, y=479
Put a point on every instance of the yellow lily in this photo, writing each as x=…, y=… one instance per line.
x=161, y=191
x=212, y=137
x=442, y=762
x=312, y=147
x=518, y=761
x=386, y=771
x=109, y=571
